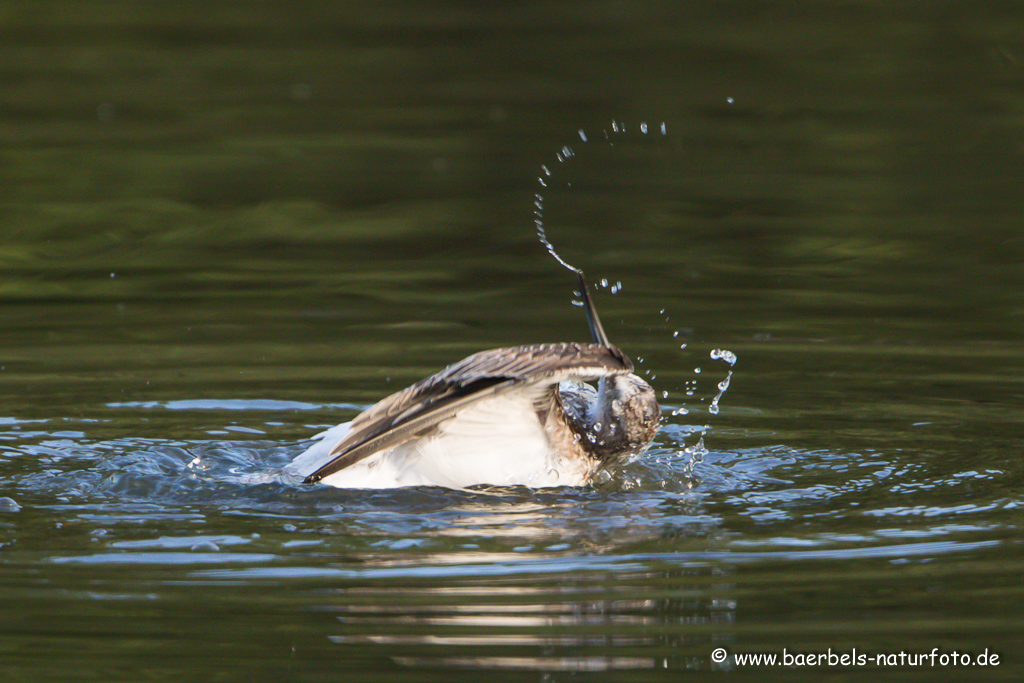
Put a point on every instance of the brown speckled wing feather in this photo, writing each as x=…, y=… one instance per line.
x=412, y=411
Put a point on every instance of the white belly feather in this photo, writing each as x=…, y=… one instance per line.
x=498, y=441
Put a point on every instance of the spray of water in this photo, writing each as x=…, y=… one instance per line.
x=694, y=454
x=544, y=180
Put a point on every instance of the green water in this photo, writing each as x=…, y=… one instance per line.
x=226, y=225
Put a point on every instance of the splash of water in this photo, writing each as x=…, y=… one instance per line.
x=564, y=155
x=723, y=386
x=721, y=354
x=694, y=453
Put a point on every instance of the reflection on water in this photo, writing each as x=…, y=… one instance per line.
x=647, y=570
x=588, y=623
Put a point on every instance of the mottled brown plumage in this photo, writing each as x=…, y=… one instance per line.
x=414, y=411
x=520, y=415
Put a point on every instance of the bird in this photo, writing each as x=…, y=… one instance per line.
x=515, y=416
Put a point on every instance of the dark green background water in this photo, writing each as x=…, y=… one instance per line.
x=224, y=225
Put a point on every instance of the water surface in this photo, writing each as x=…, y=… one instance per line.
x=228, y=226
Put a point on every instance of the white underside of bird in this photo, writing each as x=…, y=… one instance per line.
x=503, y=417
x=498, y=441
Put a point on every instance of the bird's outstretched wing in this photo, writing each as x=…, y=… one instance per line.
x=415, y=410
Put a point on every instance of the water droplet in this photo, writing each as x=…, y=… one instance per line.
x=721, y=354
x=664, y=394
x=604, y=282
x=696, y=454
x=722, y=386
x=643, y=128
x=663, y=128
x=682, y=346
x=680, y=411
x=729, y=100
x=546, y=171
x=696, y=371
x=675, y=334
x=583, y=136
x=199, y=465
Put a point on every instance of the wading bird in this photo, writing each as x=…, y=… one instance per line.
x=513, y=416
